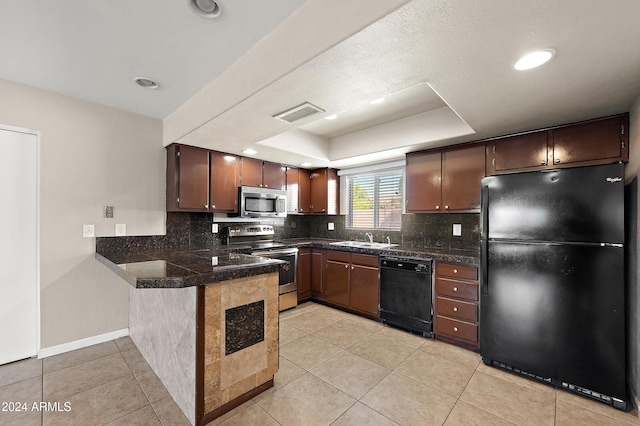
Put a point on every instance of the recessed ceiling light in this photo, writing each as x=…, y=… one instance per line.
x=377, y=101
x=145, y=82
x=249, y=151
x=534, y=59
x=205, y=8
x=305, y=164
x=331, y=117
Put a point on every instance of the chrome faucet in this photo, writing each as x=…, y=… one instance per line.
x=370, y=236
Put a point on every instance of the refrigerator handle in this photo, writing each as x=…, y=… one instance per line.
x=484, y=271
x=484, y=274
x=484, y=225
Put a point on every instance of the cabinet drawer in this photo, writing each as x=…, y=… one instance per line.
x=457, y=309
x=364, y=259
x=457, y=289
x=456, y=271
x=457, y=329
x=340, y=256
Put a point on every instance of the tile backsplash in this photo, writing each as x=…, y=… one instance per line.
x=423, y=230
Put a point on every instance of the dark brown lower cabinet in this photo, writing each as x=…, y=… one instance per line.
x=303, y=274
x=456, y=317
x=318, y=265
x=352, y=282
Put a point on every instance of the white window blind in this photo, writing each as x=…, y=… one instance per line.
x=374, y=199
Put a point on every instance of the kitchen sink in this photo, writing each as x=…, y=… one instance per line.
x=363, y=244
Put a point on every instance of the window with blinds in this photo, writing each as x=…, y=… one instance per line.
x=374, y=200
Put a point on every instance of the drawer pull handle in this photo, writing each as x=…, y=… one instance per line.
x=455, y=271
x=455, y=289
x=455, y=328
x=346, y=266
x=455, y=309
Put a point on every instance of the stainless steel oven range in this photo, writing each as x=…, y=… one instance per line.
x=259, y=238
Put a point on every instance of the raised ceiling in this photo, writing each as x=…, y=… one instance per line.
x=444, y=65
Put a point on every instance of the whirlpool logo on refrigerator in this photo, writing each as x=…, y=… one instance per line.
x=614, y=180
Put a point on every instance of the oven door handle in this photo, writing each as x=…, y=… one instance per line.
x=271, y=253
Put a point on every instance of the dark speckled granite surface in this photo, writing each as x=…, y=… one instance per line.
x=466, y=257
x=184, y=268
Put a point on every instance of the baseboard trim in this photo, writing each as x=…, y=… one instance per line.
x=82, y=343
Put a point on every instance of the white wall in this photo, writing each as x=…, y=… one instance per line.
x=90, y=156
x=633, y=292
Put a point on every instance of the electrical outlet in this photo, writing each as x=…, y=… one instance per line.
x=457, y=229
x=331, y=226
x=214, y=228
x=88, y=231
x=214, y=261
x=108, y=212
x=121, y=229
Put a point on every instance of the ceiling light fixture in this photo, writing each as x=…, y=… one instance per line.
x=377, y=101
x=249, y=151
x=534, y=59
x=205, y=8
x=331, y=117
x=145, y=82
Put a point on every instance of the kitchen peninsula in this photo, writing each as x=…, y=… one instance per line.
x=206, y=321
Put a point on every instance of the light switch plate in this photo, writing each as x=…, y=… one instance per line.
x=108, y=212
x=88, y=231
x=331, y=226
x=214, y=228
x=457, y=229
x=214, y=261
x=121, y=229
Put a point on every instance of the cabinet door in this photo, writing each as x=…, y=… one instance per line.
x=423, y=174
x=462, y=169
x=593, y=140
x=304, y=191
x=338, y=282
x=251, y=172
x=293, y=190
x=319, y=191
x=318, y=260
x=518, y=153
x=273, y=175
x=364, y=291
x=194, y=178
x=304, y=274
x=224, y=188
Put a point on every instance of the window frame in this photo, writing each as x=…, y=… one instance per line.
x=376, y=173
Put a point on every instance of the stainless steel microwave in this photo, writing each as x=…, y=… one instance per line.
x=262, y=202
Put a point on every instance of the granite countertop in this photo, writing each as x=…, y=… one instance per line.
x=184, y=268
x=467, y=257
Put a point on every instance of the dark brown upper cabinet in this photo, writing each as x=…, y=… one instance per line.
x=200, y=180
x=599, y=141
x=325, y=191
x=445, y=180
x=298, y=190
x=263, y=174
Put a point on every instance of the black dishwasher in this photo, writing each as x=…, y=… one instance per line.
x=406, y=294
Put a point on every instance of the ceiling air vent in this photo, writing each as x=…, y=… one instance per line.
x=297, y=113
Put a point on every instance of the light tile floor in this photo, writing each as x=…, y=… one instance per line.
x=335, y=369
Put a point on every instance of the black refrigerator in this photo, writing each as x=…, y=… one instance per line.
x=552, y=278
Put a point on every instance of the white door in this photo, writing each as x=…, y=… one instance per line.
x=18, y=244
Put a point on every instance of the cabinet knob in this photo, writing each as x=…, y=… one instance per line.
x=323, y=210
x=352, y=267
x=455, y=271
x=455, y=309
x=437, y=207
x=455, y=328
x=206, y=206
x=543, y=163
x=455, y=289
x=446, y=207
x=346, y=266
x=557, y=161
x=266, y=186
x=213, y=206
